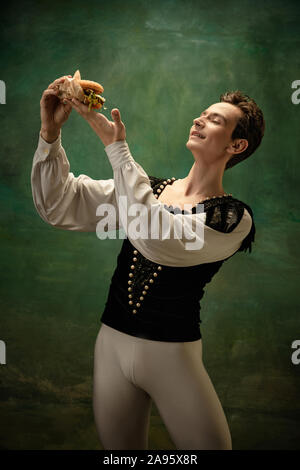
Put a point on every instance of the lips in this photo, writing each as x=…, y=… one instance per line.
x=198, y=134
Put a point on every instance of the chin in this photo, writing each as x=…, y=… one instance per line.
x=190, y=144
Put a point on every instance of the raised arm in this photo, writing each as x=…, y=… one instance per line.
x=200, y=243
x=60, y=198
x=65, y=201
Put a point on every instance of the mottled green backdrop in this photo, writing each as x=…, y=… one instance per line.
x=161, y=63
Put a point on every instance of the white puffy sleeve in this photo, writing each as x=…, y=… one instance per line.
x=68, y=202
x=163, y=237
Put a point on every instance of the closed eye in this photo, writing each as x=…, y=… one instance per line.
x=212, y=117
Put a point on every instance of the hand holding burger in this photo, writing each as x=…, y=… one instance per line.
x=86, y=91
x=84, y=97
x=54, y=113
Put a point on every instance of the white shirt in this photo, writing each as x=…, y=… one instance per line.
x=70, y=203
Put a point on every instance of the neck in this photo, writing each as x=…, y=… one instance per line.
x=203, y=181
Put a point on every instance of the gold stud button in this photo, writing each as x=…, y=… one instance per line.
x=130, y=275
x=132, y=266
x=130, y=296
x=162, y=186
x=159, y=190
x=133, y=311
x=173, y=178
x=159, y=268
x=151, y=281
x=146, y=287
x=168, y=180
x=141, y=298
x=165, y=182
x=156, y=195
x=144, y=292
x=129, y=289
x=129, y=282
x=135, y=252
x=130, y=302
x=154, y=274
x=138, y=304
x=134, y=259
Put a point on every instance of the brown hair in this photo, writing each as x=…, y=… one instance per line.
x=250, y=126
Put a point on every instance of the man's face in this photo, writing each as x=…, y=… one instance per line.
x=211, y=133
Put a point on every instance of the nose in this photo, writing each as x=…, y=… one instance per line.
x=198, y=122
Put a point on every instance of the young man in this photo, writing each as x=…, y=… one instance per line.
x=149, y=345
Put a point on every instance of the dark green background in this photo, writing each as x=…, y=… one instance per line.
x=161, y=63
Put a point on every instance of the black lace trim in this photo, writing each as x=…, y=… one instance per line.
x=250, y=238
x=223, y=214
x=154, y=181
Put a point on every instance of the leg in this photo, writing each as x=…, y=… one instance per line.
x=179, y=385
x=121, y=409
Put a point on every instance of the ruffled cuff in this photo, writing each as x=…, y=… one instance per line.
x=118, y=153
x=46, y=150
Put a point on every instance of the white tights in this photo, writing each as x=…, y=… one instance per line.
x=130, y=372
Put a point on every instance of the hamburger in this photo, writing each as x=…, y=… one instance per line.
x=92, y=94
x=86, y=91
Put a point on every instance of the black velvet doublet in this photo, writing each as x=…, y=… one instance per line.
x=170, y=310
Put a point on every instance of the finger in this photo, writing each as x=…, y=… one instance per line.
x=116, y=115
x=74, y=105
x=58, y=81
x=82, y=108
x=48, y=93
x=67, y=105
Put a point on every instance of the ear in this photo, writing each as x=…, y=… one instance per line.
x=237, y=146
